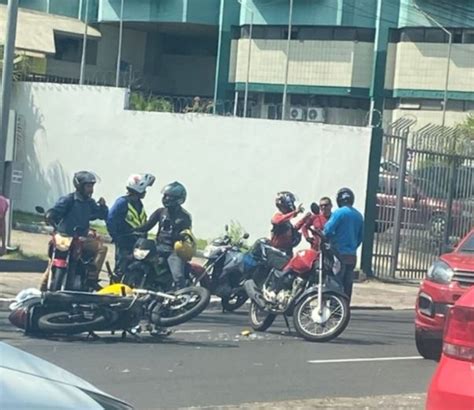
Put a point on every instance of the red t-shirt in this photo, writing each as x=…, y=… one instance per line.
x=312, y=221
x=282, y=232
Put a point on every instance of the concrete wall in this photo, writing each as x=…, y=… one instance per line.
x=232, y=167
x=324, y=63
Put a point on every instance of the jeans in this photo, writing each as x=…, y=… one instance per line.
x=346, y=276
x=177, y=266
x=123, y=257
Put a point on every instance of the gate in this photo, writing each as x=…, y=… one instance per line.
x=425, y=197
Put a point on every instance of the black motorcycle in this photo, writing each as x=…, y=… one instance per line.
x=114, y=308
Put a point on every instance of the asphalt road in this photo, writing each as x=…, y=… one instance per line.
x=208, y=362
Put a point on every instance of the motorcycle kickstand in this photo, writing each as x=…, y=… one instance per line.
x=287, y=324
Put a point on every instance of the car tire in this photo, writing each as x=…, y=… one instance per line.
x=427, y=347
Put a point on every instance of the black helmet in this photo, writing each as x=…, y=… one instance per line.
x=345, y=196
x=285, y=201
x=82, y=178
x=174, y=194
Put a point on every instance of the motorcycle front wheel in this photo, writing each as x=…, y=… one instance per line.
x=189, y=303
x=321, y=326
x=259, y=319
x=69, y=323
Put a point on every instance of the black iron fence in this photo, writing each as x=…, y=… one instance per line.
x=425, y=198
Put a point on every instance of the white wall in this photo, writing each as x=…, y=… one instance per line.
x=232, y=167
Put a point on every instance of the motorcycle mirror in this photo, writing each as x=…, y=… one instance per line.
x=226, y=228
x=246, y=236
x=315, y=208
x=40, y=210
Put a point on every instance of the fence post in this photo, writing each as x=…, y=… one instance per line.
x=397, y=225
x=370, y=201
x=449, y=204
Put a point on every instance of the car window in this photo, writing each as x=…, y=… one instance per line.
x=468, y=245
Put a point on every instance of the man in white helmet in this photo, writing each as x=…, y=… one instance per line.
x=126, y=215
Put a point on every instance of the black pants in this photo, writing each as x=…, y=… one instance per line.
x=346, y=276
x=123, y=257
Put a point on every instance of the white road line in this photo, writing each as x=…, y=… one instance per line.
x=193, y=331
x=365, y=359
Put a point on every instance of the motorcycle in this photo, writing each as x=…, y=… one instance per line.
x=149, y=268
x=72, y=260
x=305, y=287
x=225, y=271
x=114, y=308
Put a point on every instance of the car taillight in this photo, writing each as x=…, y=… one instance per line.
x=459, y=333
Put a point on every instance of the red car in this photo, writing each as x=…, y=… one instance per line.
x=452, y=386
x=447, y=280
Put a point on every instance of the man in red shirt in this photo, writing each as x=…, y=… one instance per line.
x=315, y=221
x=284, y=235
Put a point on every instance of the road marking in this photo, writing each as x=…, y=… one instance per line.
x=193, y=331
x=7, y=299
x=365, y=359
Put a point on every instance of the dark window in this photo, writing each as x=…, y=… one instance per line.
x=434, y=35
x=324, y=33
x=415, y=35
x=468, y=37
x=275, y=33
x=182, y=45
x=70, y=49
x=299, y=99
x=272, y=98
x=294, y=34
x=344, y=34
x=391, y=103
x=366, y=35
x=394, y=36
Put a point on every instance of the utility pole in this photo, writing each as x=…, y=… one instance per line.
x=84, y=45
x=288, y=43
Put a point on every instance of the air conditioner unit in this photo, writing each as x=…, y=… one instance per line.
x=296, y=113
x=316, y=114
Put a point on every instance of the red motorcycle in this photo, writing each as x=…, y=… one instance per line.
x=73, y=261
x=305, y=287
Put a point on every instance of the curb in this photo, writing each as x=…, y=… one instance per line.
x=18, y=265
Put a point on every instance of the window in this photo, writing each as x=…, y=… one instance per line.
x=468, y=37
x=294, y=33
x=365, y=35
x=344, y=34
x=182, y=45
x=70, y=49
x=431, y=35
x=414, y=35
x=435, y=36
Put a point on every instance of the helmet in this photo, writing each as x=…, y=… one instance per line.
x=345, y=196
x=186, y=246
x=174, y=194
x=285, y=201
x=82, y=178
x=138, y=183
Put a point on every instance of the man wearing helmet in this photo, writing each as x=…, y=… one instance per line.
x=126, y=215
x=72, y=214
x=284, y=236
x=174, y=222
x=345, y=230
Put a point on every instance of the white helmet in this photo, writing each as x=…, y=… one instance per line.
x=140, y=182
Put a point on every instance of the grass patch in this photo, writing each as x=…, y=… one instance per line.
x=201, y=244
x=27, y=218
x=20, y=255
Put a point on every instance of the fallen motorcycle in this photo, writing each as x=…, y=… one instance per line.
x=114, y=308
x=304, y=287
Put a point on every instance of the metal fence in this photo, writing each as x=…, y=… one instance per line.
x=425, y=197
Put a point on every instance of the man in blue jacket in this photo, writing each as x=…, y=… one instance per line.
x=126, y=215
x=345, y=230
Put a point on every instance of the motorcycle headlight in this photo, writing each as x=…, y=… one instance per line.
x=440, y=272
x=140, y=254
x=211, y=251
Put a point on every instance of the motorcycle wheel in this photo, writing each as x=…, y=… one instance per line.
x=64, y=322
x=134, y=278
x=259, y=319
x=327, y=326
x=236, y=300
x=59, y=279
x=190, y=302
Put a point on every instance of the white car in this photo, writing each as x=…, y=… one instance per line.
x=28, y=382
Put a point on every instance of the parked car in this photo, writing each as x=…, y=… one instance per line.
x=449, y=278
x=452, y=386
x=424, y=202
x=28, y=382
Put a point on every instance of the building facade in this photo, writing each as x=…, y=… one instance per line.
x=350, y=62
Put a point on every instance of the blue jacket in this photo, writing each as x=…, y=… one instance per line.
x=124, y=217
x=72, y=211
x=345, y=230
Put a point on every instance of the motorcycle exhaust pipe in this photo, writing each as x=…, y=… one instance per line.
x=253, y=292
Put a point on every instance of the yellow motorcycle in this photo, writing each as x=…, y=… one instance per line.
x=116, y=307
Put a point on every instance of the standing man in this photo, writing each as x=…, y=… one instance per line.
x=315, y=222
x=345, y=230
x=126, y=215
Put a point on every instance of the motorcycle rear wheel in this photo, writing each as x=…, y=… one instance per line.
x=335, y=307
x=259, y=319
x=65, y=322
x=177, y=313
